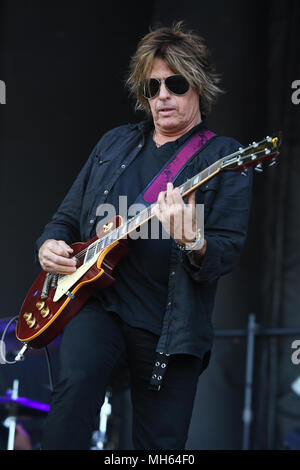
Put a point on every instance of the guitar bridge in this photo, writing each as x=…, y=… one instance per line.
x=69, y=294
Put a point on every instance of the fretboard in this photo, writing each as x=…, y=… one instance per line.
x=135, y=222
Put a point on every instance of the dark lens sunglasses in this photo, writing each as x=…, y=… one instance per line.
x=176, y=84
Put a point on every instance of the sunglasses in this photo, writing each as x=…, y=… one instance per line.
x=176, y=84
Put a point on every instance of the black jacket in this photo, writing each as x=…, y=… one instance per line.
x=187, y=326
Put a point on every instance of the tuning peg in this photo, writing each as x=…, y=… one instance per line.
x=273, y=162
x=259, y=168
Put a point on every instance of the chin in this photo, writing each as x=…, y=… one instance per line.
x=168, y=124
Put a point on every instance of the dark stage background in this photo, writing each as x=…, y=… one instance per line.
x=64, y=66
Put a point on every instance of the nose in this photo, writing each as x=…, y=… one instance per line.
x=163, y=91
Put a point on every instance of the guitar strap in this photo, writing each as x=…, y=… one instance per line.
x=173, y=167
x=148, y=196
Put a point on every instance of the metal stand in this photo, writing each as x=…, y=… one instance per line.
x=251, y=332
x=11, y=421
x=247, y=413
x=100, y=437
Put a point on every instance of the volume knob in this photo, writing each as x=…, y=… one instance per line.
x=40, y=304
x=45, y=312
x=27, y=316
x=31, y=323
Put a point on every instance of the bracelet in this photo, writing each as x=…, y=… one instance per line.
x=197, y=244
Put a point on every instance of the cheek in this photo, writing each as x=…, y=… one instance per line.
x=152, y=107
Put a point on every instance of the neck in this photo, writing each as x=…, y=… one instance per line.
x=162, y=136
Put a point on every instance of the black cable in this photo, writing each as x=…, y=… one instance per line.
x=5, y=361
x=2, y=343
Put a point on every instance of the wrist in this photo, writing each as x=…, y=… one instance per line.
x=197, y=244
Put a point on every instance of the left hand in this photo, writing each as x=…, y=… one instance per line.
x=177, y=218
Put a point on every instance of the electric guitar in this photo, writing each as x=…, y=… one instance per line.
x=54, y=298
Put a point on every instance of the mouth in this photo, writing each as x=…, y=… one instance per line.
x=166, y=110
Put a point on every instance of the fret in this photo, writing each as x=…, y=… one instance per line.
x=90, y=252
x=145, y=214
x=131, y=224
x=123, y=230
x=98, y=246
x=187, y=185
x=148, y=212
x=105, y=244
x=215, y=166
x=196, y=180
x=140, y=218
x=117, y=234
x=112, y=236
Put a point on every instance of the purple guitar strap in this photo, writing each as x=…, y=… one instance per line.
x=172, y=168
x=148, y=196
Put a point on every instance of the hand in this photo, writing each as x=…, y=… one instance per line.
x=55, y=256
x=177, y=218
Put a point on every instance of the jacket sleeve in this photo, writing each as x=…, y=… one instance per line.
x=64, y=224
x=225, y=228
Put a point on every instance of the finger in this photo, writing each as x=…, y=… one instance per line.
x=48, y=263
x=66, y=249
x=177, y=198
x=192, y=203
x=60, y=251
x=54, y=258
x=57, y=246
x=169, y=194
x=156, y=211
x=192, y=198
x=161, y=201
x=53, y=268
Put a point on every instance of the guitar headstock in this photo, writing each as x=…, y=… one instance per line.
x=254, y=154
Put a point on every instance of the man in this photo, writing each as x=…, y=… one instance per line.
x=157, y=313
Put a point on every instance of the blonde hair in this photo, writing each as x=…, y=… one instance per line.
x=185, y=52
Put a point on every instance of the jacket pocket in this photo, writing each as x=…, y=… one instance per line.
x=206, y=193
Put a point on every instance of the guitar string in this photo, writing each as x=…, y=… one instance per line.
x=83, y=252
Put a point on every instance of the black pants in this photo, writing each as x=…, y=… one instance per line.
x=92, y=345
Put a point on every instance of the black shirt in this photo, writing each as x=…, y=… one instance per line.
x=139, y=293
x=187, y=326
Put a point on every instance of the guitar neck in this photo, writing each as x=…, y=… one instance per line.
x=236, y=161
x=144, y=216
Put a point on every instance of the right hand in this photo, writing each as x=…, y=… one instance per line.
x=56, y=256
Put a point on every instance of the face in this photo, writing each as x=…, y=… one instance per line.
x=173, y=114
